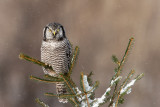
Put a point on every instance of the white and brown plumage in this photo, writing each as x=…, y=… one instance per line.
x=56, y=51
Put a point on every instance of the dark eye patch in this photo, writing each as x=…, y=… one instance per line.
x=44, y=33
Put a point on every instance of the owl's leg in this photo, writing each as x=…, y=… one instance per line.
x=49, y=72
x=61, y=89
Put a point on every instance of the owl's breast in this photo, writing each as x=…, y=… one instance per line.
x=49, y=51
x=54, y=54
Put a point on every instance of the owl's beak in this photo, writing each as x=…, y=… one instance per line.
x=54, y=33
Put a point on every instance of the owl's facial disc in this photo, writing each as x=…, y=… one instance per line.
x=54, y=31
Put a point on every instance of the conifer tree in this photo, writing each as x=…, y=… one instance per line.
x=85, y=95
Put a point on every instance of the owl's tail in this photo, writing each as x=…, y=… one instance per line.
x=61, y=89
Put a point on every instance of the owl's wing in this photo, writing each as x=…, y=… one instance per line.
x=69, y=54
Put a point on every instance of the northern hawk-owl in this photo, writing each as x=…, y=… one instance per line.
x=56, y=51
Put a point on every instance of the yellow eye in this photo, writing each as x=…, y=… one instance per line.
x=57, y=30
x=50, y=30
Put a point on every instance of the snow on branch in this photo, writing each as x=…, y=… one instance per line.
x=127, y=86
x=85, y=95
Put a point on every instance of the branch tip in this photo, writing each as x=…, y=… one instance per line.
x=21, y=56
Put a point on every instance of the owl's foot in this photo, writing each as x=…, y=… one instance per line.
x=48, y=65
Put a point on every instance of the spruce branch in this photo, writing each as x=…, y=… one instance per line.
x=85, y=97
x=44, y=80
x=73, y=102
x=53, y=78
x=62, y=95
x=139, y=76
x=41, y=103
x=125, y=56
x=125, y=82
x=89, y=79
x=119, y=68
x=51, y=94
x=115, y=59
x=84, y=88
x=69, y=84
x=73, y=61
x=28, y=58
x=95, y=86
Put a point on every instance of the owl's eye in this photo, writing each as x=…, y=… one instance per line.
x=50, y=30
x=57, y=30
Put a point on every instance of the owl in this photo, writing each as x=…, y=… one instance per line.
x=56, y=51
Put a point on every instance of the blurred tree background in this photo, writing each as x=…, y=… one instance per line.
x=99, y=27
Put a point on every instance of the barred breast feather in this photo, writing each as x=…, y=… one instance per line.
x=58, y=55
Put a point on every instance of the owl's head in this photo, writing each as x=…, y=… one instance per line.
x=53, y=31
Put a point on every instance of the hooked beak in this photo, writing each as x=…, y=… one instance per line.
x=54, y=33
